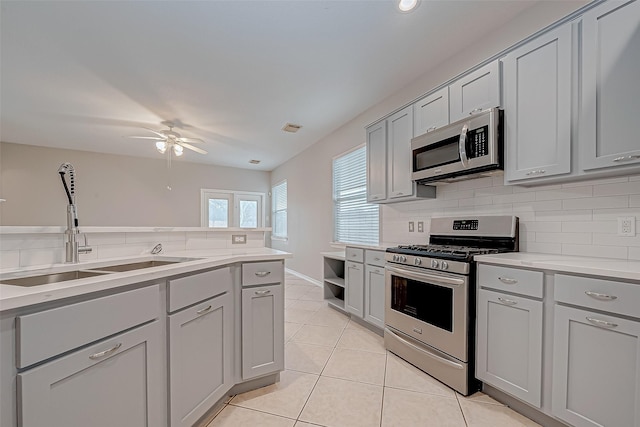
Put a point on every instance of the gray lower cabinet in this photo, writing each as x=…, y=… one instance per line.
x=354, y=291
x=262, y=330
x=509, y=344
x=596, y=368
x=200, y=358
x=116, y=382
x=374, y=295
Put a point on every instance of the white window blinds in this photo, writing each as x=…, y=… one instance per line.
x=279, y=209
x=355, y=220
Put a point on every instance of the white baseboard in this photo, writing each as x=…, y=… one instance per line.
x=302, y=276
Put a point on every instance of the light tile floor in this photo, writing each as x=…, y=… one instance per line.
x=338, y=374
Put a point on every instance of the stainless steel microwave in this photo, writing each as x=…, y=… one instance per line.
x=462, y=150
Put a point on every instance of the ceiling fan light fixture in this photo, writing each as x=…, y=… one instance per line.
x=178, y=150
x=161, y=146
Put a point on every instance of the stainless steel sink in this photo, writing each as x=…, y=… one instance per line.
x=45, y=279
x=136, y=265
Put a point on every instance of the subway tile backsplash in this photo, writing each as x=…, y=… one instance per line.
x=572, y=219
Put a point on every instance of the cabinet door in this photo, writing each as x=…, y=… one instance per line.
x=262, y=331
x=596, y=369
x=431, y=112
x=354, y=292
x=474, y=92
x=377, y=162
x=374, y=295
x=400, y=132
x=610, y=99
x=200, y=358
x=509, y=344
x=117, y=382
x=537, y=104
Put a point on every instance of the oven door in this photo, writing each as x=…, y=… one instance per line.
x=431, y=307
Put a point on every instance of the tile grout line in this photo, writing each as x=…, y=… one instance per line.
x=464, y=418
x=384, y=385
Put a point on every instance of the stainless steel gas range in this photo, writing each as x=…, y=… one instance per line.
x=430, y=295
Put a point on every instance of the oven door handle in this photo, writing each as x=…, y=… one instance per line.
x=427, y=353
x=462, y=146
x=426, y=277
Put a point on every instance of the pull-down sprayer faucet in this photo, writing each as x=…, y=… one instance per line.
x=71, y=242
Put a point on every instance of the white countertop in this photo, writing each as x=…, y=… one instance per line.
x=12, y=297
x=606, y=267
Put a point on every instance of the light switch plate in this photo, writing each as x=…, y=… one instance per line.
x=627, y=226
x=411, y=227
x=420, y=227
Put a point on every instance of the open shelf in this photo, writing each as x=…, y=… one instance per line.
x=338, y=281
x=338, y=303
x=333, y=282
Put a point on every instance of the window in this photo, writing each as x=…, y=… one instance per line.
x=355, y=220
x=224, y=209
x=279, y=210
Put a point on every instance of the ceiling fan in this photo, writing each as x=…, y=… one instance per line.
x=172, y=141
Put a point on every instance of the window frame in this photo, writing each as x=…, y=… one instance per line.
x=233, y=215
x=274, y=211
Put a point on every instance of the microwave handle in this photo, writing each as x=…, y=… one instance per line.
x=462, y=146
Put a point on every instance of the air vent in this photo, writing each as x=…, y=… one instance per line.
x=290, y=127
x=254, y=162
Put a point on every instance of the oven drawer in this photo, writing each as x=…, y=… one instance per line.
x=355, y=254
x=599, y=294
x=518, y=281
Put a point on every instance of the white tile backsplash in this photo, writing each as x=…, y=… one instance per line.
x=577, y=218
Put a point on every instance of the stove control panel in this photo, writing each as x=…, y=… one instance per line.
x=428, y=263
x=465, y=224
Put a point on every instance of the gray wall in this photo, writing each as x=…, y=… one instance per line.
x=111, y=190
x=308, y=175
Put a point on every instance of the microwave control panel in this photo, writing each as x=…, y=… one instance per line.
x=478, y=142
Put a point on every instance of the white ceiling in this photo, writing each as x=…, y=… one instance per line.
x=83, y=74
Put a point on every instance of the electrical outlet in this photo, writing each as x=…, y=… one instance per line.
x=627, y=226
x=420, y=227
x=410, y=226
x=238, y=239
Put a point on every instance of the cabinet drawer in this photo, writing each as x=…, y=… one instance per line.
x=191, y=289
x=355, y=254
x=525, y=282
x=374, y=258
x=40, y=336
x=261, y=273
x=600, y=294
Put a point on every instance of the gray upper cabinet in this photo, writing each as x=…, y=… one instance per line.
x=431, y=112
x=400, y=132
x=610, y=98
x=475, y=92
x=537, y=103
x=377, y=162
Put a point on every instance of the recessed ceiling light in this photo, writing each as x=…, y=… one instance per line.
x=290, y=127
x=254, y=162
x=407, y=5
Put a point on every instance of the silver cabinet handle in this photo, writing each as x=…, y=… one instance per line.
x=508, y=280
x=374, y=198
x=204, y=310
x=432, y=128
x=262, y=273
x=475, y=111
x=106, y=352
x=601, y=323
x=507, y=301
x=536, y=172
x=400, y=194
x=603, y=297
x=462, y=145
x=376, y=259
x=626, y=158
x=264, y=292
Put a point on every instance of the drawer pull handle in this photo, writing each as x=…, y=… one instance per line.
x=106, y=352
x=376, y=259
x=262, y=273
x=601, y=323
x=475, y=111
x=507, y=301
x=431, y=129
x=508, y=280
x=602, y=297
x=265, y=292
x=626, y=158
x=204, y=310
x=536, y=172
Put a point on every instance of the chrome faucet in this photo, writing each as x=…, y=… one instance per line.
x=72, y=249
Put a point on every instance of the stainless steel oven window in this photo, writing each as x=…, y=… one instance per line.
x=427, y=302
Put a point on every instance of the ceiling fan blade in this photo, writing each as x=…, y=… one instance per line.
x=156, y=132
x=155, y=138
x=191, y=147
x=191, y=140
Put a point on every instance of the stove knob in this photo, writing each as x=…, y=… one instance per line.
x=434, y=263
x=395, y=257
x=403, y=258
x=417, y=261
x=445, y=265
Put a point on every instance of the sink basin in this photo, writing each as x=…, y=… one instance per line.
x=133, y=266
x=45, y=279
